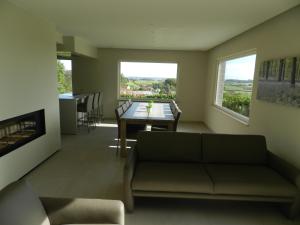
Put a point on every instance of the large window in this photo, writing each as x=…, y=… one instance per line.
x=234, y=86
x=64, y=75
x=140, y=80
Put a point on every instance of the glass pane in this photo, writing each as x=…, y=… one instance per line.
x=64, y=76
x=238, y=84
x=148, y=80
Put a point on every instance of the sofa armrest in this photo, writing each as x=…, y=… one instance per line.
x=129, y=170
x=284, y=168
x=83, y=211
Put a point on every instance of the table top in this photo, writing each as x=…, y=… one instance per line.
x=159, y=111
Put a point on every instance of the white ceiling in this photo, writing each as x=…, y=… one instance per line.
x=156, y=24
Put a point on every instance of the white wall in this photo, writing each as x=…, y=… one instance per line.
x=191, y=72
x=59, y=38
x=85, y=74
x=78, y=46
x=27, y=83
x=85, y=48
x=276, y=38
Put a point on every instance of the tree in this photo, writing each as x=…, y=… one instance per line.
x=64, y=78
x=237, y=102
x=171, y=82
x=124, y=80
x=156, y=85
x=68, y=81
x=169, y=85
x=61, y=77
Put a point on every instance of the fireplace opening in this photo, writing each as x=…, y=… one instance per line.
x=18, y=131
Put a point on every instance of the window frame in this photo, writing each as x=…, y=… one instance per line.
x=119, y=98
x=235, y=115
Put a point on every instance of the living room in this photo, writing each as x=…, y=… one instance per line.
x=30, y=38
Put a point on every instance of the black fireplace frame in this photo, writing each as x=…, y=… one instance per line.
x=39, y=117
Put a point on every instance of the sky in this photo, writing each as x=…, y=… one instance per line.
x=67, y=64
x=148, y=70
x=241, y=68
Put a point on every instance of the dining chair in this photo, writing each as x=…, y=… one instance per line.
x=176, y=113
x=118, y=112
x=125, y=107
x=173, y=106
x=127, y=104
x=131, y=129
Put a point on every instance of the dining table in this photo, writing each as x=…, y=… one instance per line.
x=158, y=114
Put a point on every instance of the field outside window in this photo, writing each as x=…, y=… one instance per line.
x=234, y=86
x=148, y=80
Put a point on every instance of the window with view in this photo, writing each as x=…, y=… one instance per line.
x=147, y=80
x=234, y=86
x=64, y=75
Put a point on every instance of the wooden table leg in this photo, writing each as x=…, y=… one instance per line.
x=123, y=139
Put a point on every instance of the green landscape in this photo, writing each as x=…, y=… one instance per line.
x=237, y=95
x=147, y=88
x=64, y=78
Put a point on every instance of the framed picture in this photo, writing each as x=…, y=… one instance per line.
x=279, y=81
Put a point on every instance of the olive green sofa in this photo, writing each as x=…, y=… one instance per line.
x=19, y=205
x=209, y=166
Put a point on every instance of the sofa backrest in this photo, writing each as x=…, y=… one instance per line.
x=169, y=146
x=228, y=148
x=20, y=206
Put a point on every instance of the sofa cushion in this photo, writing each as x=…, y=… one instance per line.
x=171, y=177
x=20, y=206
x=227, y=148
x=249, y=180
x=169, y=146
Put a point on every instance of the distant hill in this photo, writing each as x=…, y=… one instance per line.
x=145, y=78
x=238, y=81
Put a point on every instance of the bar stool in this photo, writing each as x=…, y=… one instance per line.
x=100, y=105
x=95, y=107
x=86, y=109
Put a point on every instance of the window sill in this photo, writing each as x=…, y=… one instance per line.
x=236, y=116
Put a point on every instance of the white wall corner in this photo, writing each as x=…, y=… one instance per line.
x=59, y=38
x=78, y=46
x=83, y=47
x=68, y=44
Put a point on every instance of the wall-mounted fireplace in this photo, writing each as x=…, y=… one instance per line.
x=20, y=130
